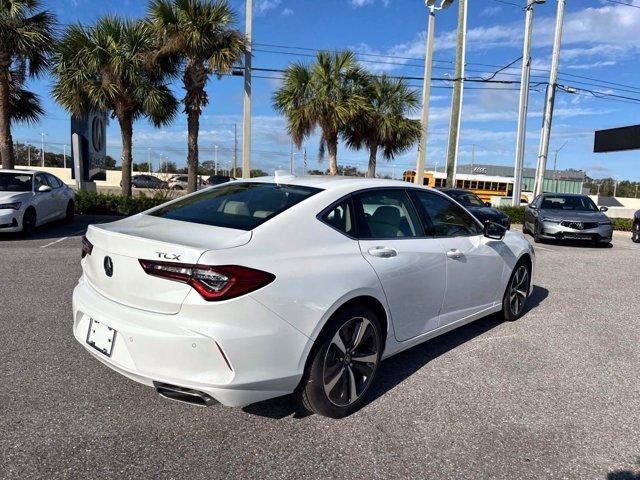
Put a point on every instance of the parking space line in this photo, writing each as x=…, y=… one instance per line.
x=54, y=242
x=537, y=247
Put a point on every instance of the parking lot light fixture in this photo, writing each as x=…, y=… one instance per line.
x=426, y=86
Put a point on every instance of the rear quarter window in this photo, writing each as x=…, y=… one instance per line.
x=242, y=206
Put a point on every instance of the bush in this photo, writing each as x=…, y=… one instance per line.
x=516, y=214
x=110, y=204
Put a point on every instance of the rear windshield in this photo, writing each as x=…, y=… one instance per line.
x=236, y=205
x=15, y=182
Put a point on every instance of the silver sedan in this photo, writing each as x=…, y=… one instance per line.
x=564, y=216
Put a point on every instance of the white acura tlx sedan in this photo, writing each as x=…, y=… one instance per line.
x=263, y=287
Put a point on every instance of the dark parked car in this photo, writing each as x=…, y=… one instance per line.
x=218, y=179
x=566, y=216
x=479, y=209
x=636, y=227
x=147, y=181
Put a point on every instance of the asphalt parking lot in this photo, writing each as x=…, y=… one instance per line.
x=553, y=395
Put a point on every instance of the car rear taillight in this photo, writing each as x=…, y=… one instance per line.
x=212, y=283
x=87, y=247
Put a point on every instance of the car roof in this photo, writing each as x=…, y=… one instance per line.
x=335, y=182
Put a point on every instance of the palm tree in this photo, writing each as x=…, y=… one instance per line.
x=109, y=66
x=26, y=40
x=328, y=94
x=385, y=125
x=201, y=34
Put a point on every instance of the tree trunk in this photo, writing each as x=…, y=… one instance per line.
x=332, y=149
x=373, y=153
x=6, y=142
x=126, y=130
x=193, y=126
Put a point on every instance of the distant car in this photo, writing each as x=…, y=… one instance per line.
x=218, y=179
x=29, y=198
x=178, y=182
x=565, y=216
x=147, y=181
x=636, y=228
x=483, y=211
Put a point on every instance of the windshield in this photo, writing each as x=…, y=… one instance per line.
x=236, y=205
x=15, y=182
x=467, y=199
x=568, y=202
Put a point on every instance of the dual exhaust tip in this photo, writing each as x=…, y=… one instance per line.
x=184, y=395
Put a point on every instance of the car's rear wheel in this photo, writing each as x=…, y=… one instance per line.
x=29, y=221
x=69, y=214
x=635, y=237
x=343, y=366
x=517, y=292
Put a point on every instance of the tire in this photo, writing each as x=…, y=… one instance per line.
x=525, y=230
x=342, y=368
x=635, y=237
x=70, y=213
x=29, y=221
x=515, y=296
x=536, y=234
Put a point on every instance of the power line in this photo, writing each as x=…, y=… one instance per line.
x=509, y=3
x=619, y=2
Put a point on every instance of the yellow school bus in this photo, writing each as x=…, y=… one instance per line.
x=484, y=186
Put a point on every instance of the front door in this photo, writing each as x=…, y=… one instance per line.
x=474, y=265
x=410, y=266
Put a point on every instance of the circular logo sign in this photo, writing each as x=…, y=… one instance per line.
x=97, y=133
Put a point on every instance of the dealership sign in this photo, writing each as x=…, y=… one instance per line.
x=92, y=130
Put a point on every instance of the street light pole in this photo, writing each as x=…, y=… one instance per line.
x=426, y=88
x=456, y=100
x=246, y=102
x=42, y=148
x=524, y=102
x=215, y=159
x=549, y=102
x=555, y=166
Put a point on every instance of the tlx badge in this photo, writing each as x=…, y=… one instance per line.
x=168, y=256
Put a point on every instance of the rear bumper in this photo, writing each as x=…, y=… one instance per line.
x=238, y=352
x=556, y=231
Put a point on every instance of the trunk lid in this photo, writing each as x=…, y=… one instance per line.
x=145, y=237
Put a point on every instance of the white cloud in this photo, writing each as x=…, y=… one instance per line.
x=362, y=3
x=263, y=6
x=287, y=12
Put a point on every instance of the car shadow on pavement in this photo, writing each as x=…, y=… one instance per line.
x=625, y=474
x=398, y=368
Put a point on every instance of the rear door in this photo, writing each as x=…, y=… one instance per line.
x=473, y=263
x=410, y=266
x=58, y=197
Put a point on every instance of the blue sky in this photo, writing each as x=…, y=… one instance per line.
x=599, y=42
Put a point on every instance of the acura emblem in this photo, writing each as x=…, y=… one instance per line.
x=108, y=266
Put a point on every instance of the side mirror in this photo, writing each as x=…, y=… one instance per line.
x=44, y=188
x=532, y=206
x=494, y=231
x=604, y=209
x=488, y=204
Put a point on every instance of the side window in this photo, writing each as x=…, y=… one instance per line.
x=386, y=214
x=446, y=218
x=53, y=181
x=39, y=181
x=341, y=217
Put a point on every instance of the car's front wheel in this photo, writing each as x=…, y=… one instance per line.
x=635, y=237
x=344, y=364
x=29, y=221
x=70, y=212
x=517, y=292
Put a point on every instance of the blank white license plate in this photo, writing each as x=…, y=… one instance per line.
x=101, y=337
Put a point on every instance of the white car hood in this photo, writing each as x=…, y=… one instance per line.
x=11, y=197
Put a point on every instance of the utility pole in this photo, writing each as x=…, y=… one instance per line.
x=426, y=88
x=246, y=106
x=456, y=100
x=615, y=188
x=149, y=159
x=42, y=148
x=548, y=107
x=29, y=154
x=215, y=159
x=64, y=156
x=524, y=103
x=235, y=149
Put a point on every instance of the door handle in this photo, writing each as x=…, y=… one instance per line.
x=455, y=254
x=383, y=252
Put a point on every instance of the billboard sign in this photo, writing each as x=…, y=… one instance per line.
x=617, y=139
